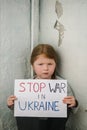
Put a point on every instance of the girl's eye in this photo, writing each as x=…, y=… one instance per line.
x=40, y=64
x=49, y=63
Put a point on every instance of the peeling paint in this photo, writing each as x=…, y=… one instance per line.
x=58, y=9
x=58, y=25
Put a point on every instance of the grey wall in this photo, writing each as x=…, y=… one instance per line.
x=14, y=52
x=72, y=15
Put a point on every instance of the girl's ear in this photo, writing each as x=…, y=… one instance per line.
x=33, y=67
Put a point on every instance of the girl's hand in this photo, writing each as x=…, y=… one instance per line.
x=10, y=101
x=70, y=101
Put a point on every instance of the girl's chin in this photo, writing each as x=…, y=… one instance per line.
x=45, y=77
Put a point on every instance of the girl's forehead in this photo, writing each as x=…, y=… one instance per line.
x=42, y=56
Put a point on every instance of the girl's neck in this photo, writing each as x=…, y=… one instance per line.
x=37, y=77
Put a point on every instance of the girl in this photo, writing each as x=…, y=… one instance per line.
x=44, y=61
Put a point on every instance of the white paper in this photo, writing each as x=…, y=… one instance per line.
x=40, y=98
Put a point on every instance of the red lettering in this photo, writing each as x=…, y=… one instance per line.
x=36, y=87
x=22, y=85
x=30, y=84
x=42, y=85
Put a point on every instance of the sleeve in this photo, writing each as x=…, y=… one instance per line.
x=71, y=93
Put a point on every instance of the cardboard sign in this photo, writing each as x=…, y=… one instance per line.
x=40, y=98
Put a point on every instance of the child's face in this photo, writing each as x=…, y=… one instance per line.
x=44, y=67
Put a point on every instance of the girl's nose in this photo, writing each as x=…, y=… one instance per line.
x=45, y=67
